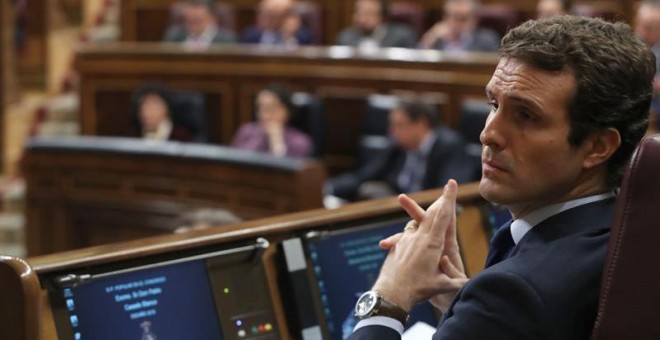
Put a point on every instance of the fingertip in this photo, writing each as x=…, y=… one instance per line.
x=451, y=188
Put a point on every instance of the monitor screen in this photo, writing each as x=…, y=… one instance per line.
x=173, y=302
x=218, y=295
x=345, y=264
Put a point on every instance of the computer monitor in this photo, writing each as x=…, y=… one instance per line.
x=214, y=295
x=342, y=265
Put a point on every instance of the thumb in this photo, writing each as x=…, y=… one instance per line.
x=389, y=242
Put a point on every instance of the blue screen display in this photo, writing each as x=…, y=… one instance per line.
x=169, y=302
x=346, y=265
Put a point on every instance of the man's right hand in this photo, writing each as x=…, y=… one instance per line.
x=413, y=270
x=451, y=263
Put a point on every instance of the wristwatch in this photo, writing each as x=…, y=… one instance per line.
x=372, y=304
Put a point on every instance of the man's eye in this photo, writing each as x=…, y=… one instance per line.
x=493, y=105
x=525, y=115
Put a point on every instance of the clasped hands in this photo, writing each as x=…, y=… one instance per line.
x=424, y=262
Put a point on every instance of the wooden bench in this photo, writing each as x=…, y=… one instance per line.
x=31, y=314
x=87, y=191
x=230, y=76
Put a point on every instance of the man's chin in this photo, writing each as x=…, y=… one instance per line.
x=490, y=191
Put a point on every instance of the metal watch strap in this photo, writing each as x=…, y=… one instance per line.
x=391, y=310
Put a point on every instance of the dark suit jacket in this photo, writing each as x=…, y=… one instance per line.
x=179, y=34
x=395, y=36
x=445, y=160
x=482, y=40
x=547, y=289
x=252, y=35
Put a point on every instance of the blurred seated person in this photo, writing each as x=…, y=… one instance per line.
x=154, y=115
x=422, y=155
x=277, y=24
x=271, y=134
x=551, y=8
x=458, y=31
x=204, y=219
x=199, y=29
x=370, y=30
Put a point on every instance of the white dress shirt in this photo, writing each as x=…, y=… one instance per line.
x=519, y=227
x=202, y=41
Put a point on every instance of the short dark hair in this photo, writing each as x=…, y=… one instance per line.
x=283, y=94
x=417, y=109
x=384, y=9
x=208, y=5
x=566, y=5
x=613, y=71
x=158, y=89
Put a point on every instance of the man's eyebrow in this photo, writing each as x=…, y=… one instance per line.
x=524, y=100
x=528, y=102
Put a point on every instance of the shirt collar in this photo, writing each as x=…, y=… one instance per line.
x=204, y=39
x=520, y=226
x=427, y=144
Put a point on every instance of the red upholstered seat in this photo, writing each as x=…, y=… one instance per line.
x=629, y=296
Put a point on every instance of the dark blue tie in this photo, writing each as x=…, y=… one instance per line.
x=412, y=172
x=501, y=245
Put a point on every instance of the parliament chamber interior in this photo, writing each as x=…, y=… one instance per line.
x=252, y=210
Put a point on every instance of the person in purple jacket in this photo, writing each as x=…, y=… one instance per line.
x=270, y=133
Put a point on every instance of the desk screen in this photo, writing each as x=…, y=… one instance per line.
x=346, y=264
x=206, y=296
x=172, y=302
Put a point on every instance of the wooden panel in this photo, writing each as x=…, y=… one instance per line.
x=230, y=76
x=78, y=198
x=32, y=56
x=7, y=67
x=21, y=308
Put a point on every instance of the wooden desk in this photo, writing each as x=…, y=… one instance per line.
x=90, y=191
x=230, y=76
x=32, y=317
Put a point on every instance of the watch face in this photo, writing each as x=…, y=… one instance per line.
x=366, y=304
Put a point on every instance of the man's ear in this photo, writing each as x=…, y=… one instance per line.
x=600, y=146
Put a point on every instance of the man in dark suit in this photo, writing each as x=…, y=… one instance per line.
x=570, y=100
x=421, y=155
x=370, y=29
x=277, y=24
x=458, y=31
x=199, y=29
